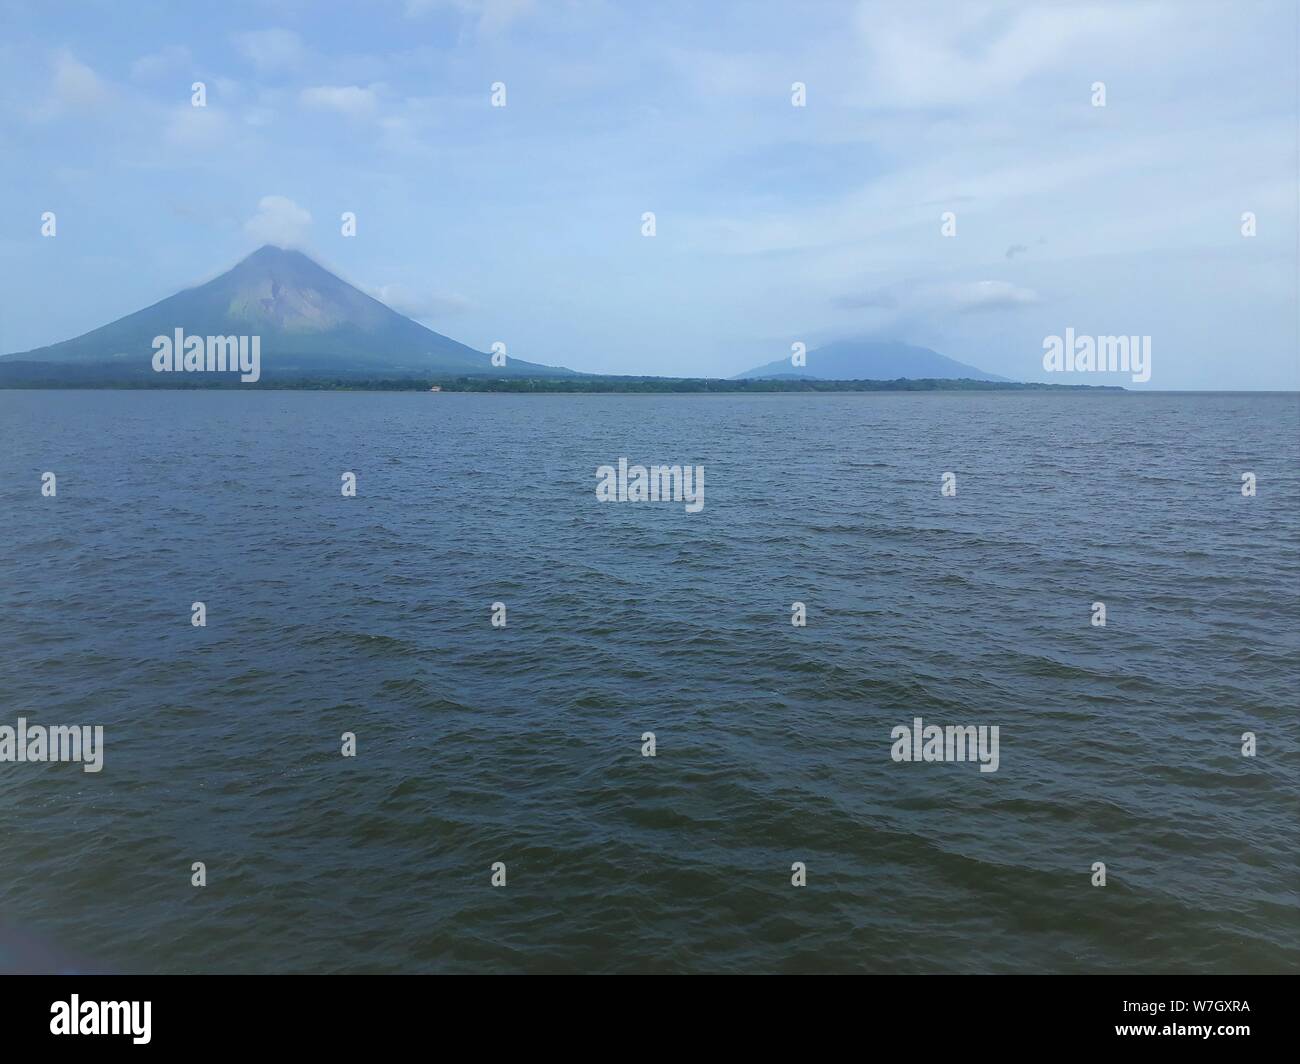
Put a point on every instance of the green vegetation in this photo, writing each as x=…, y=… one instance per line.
x=706, y=384
x=59, y=379
x=529, y=385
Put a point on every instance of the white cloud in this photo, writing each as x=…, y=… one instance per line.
x=273, y=49
x=197, y=127
x=421, y=304
x=922, y=55
x=74, y=87
x=279, y=221
x=990, y=295
x=488, y=16
x=913, y=299
x=350, y=100
x=169, y=60
x=75, y=84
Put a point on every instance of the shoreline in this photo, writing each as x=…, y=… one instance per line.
x=562, y=386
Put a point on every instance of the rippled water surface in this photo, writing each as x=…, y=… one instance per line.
x=371, y=614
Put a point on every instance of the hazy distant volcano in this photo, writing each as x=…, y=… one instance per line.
x=871, y=360
x=310, y=322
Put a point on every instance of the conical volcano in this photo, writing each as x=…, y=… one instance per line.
x=309, y=321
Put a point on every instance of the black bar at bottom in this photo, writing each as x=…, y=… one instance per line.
x=338, y=1013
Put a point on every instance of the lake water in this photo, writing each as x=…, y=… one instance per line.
x=327, y=614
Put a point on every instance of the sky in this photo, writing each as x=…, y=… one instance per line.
x=773, y=223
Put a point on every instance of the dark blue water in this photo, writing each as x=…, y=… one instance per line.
x=522, y=745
